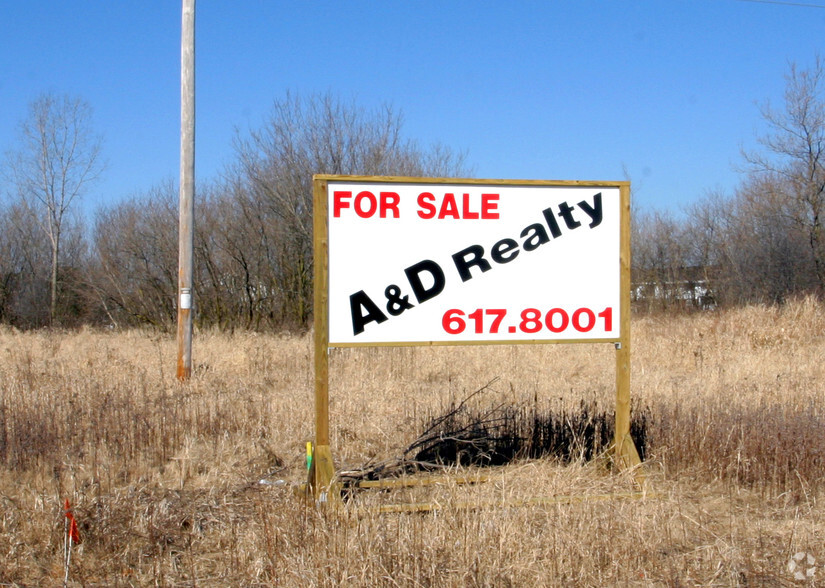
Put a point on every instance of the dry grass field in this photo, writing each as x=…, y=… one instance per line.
x=165, y=480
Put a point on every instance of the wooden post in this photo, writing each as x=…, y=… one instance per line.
x=626, y=454
x=187, y=190
x=323, y=469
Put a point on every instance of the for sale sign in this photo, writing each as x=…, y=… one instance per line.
x=418, y=261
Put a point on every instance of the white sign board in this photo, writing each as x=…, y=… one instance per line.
x=430, y=262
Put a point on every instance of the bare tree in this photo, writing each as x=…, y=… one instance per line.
x=766, y=250
x=57, y=160
x=660, y=259
x=24, y=266
x=253, y=240
x=319, y=134
x=794, y=155
x=134, y=274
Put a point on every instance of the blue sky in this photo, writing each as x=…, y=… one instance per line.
x=668, y=90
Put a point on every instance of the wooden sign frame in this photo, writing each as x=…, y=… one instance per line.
x=322, y=471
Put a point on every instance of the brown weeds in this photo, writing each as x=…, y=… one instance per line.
x=165, y=480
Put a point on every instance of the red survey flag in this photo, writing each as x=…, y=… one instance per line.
x=74, y=534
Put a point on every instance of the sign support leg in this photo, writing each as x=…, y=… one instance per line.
x=322, y=469
x=625, y=453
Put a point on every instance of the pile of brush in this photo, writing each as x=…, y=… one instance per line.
x=464, y=435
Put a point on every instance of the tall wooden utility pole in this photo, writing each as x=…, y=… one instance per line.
x=187, y=189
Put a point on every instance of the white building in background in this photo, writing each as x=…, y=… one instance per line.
x=685, y=293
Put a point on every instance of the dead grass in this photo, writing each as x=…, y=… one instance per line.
x=165, y=480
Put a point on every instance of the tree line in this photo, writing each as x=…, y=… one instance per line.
x=763, y=243
x=253, y=229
